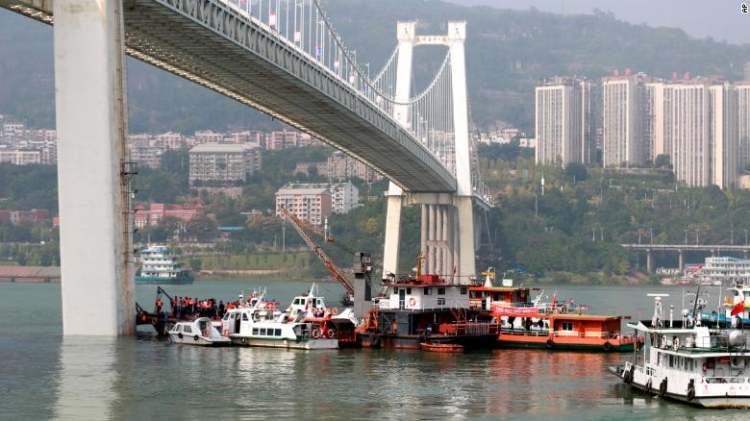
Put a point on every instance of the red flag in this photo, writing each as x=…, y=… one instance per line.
x=696, y=270
x=738, y=308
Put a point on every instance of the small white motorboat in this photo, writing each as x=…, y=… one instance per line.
x=200, y=332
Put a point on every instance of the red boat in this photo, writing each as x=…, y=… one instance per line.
x=441, y=347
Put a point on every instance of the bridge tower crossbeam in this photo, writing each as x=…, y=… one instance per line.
x=448, y=234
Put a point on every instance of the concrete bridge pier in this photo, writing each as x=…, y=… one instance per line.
x=98, y=296
x=681, y=259
x=649, y=261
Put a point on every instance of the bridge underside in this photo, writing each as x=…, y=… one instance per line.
x=249, y=64
x=280, y=82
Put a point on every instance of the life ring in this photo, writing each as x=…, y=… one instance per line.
x=607, y=346
x=179, y=335
x=315, y=334
x=648, y=386
x=663, y=388
x=195, y=338
x=154, y=320
x=143, y=317
x=335, y=311
x=550, y=344
x=627, y=376
x=412, y=301
x=331, y=333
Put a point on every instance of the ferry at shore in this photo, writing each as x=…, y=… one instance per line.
x=260, y=323
x=423, y=308
x=688, y=361
x=159, y=266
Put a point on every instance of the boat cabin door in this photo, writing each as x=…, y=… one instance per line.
x=401, y=298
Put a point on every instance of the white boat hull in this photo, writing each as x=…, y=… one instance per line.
x=725, y=395
x=196, y=340
x=309, y=344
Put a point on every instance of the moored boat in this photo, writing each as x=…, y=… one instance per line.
x=410, y=307
x=264, y=325
x=687, y=361
x=531, y=328
x=159, y=266
x=198, y=332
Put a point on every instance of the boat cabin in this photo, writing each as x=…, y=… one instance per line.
x=427, y=292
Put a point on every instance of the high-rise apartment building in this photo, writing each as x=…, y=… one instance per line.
x=690, y=135
x=743, y=123
x=559, y=130
x=723, y=142
x=624, y=141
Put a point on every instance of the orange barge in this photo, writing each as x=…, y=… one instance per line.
x=534, y=328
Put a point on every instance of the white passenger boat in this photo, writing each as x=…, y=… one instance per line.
x=688, y=361
x=200, y=332
x=262, y=324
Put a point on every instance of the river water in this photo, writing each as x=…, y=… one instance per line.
x=46, y=376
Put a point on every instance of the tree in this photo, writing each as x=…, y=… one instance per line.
x=663, y=161
x=575, y=171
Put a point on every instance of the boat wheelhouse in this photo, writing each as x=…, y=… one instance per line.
x=688, y=361
x=198, y=332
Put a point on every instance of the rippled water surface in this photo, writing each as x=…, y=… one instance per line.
x=46, y=376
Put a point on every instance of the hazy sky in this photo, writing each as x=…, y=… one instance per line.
x=720, y=19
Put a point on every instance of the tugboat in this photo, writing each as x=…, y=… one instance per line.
x=160, y=266
x=423, y=308
x=687, y=361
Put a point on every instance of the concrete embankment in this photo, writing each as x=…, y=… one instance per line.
x=29, y=274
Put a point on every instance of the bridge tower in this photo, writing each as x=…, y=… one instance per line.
x=97, y=278
x=447, y=222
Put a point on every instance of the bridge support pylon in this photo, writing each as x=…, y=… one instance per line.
x=98, y=294
x=448, y=233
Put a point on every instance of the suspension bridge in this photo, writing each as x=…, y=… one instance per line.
x=284, y=58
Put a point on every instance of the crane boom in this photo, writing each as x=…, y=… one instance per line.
x=335, y=271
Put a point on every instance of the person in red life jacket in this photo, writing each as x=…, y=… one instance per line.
x=158, y=305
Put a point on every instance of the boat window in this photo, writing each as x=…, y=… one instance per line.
x=226, y=316
x=187, y=329
x=566, y=326
x=464, y=290
x=441, y=291
x=395, y=290
x=671, y=361
x=255, y=331
x=244, y=317
x=277, y=332
x=427, y=291
x=408, y=291
x=441, y=301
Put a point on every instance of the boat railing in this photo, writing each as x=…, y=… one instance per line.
x=524, y=332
